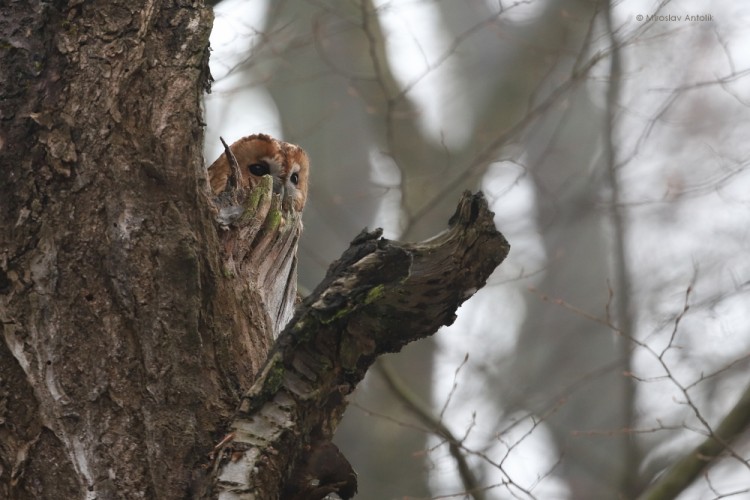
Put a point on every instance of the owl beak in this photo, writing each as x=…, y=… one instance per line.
x=279, y=187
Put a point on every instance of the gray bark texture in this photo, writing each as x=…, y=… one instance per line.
x=135, y=331
x=379, y=296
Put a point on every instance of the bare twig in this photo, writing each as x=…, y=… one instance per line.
x=235, y=174
x=424, y=413
x=630, y=454
x=379, y=296
x=692, y=465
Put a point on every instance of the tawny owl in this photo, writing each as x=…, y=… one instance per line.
x=259, y=155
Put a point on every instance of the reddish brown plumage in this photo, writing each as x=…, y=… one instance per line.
x=286, y=162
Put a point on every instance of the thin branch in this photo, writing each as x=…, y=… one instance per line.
x=692, y=466
x=424, y=413
x=234, y=180
x=630, y=459
x=717, y=443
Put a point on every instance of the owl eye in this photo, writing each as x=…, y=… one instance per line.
x=259, y=169
x=294, y=178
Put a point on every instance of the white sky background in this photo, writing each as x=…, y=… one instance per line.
x=235, y=109
x=704, y=234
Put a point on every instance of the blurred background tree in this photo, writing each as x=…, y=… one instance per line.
x=611, y=146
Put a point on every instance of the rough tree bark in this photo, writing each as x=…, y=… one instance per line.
x=379, y=296
x=128, y=343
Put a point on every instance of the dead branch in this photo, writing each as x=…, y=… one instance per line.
x=379, y=296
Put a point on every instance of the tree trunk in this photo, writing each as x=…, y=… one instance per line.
x=131, y=324
x=379, y=296
x=116, y=374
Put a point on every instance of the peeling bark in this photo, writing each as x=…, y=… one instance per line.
x=132, y=322
x=379, y=296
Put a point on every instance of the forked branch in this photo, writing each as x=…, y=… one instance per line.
x=379, y=296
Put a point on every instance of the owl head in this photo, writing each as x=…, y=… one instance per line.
x=259, y=155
